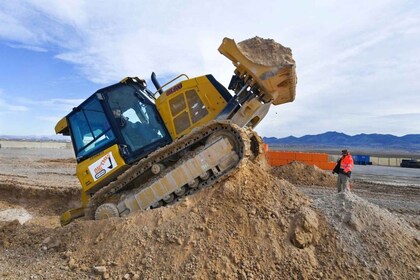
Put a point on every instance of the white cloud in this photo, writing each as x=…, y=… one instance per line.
x=12, y=29
x=7, y=107
x=23, y=116
x=356, y=62
x=55, y=104
x=28, y=47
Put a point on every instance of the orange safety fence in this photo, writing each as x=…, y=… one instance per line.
x=277, y=158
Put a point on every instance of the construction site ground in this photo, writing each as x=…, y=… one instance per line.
x=262, y=223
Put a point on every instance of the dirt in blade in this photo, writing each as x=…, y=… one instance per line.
x=266, y=52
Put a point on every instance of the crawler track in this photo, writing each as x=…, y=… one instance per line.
x=183, y=149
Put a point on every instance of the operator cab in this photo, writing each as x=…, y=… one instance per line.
x=123, y=114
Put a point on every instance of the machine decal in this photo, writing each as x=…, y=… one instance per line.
x=102, y=166
x=173, y=89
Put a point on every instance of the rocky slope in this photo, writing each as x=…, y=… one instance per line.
x=251, y=226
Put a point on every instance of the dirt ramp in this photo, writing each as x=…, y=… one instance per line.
x=251, y=226
x=239, y=229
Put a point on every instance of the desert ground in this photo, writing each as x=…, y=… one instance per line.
x=261, y=223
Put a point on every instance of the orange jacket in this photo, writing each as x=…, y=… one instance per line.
x=347, y=163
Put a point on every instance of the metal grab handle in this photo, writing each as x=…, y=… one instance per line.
x=177, y=77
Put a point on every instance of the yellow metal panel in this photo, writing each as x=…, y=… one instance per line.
x=146, y=198
x=167, y=182
x=132, y=204
x=70, y=215
x=209, y=95
x=278, y=81
x=61, y=127
x=85, y=176
x=160, y=189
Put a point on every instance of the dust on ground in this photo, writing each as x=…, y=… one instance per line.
x=253, y=225
x=40, y=180
x=402, y=200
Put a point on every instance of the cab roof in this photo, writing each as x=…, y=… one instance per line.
x=61, y=127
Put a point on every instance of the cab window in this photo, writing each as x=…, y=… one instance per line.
x=197, y=108
x=90, y=128
x=136, y=117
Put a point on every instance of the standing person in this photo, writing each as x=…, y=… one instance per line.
x=343, y=169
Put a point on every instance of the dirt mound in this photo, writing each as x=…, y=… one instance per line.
x=266, y=52
x=251, y=226
x=300, y=173
x=383, y=243
x=231, y=230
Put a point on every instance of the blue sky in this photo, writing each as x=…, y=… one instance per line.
x=358, y=63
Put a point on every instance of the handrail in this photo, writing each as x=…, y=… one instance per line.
x=177, y=77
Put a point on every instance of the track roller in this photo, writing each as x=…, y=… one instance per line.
x=106, y=210
x=157, y=168
x=205, y=175
x=169, y=198
x=194, y=184
x=157, y=204
x=181, y=191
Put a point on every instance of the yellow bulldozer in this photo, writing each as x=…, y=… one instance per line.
x=137, y=149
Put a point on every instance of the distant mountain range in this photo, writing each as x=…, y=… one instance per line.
x=329, y=141
x=36, y=138
x=361, y=142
